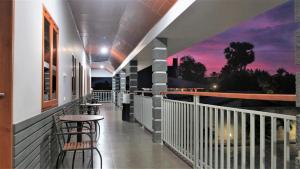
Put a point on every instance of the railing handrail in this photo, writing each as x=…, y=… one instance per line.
x=102, y=90
x=246, y=96
x=256, y=112
x=140, y=91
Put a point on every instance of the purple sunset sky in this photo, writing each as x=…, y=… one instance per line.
x=272, y=34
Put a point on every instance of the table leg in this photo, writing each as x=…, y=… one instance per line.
x=79, y=129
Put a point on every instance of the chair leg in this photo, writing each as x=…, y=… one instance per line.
x=82, y=157
x=63, y=156
x=100, y=156
x=73, y=161
x=57, y=161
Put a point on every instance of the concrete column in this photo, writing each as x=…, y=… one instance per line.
x=132, y=86
x=113, y=88
x=122, y=84
x=117, y=87
x=159, y=84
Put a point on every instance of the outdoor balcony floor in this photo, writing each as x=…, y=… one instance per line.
x=126, y=145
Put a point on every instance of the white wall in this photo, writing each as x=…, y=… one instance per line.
x=28, y=54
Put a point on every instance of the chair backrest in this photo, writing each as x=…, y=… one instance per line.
x=58, y=126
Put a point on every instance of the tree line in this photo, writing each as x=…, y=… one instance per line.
x=234, y=76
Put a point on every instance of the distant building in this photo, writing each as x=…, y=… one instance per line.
x=173, y=71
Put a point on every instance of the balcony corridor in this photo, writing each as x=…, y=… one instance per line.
x=126, y=145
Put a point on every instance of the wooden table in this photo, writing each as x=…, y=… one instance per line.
x=79, y=119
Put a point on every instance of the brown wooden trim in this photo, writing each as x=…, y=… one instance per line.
x=6, y=82
x=266, y=97
x=53, y=27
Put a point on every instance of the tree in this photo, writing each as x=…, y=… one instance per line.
x=192, y=70
x=284, y=82
x=239, y=55
x=264, y=80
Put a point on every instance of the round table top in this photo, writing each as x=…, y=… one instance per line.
x=81, y=118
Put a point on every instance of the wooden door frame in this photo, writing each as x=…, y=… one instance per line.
x=6, y=82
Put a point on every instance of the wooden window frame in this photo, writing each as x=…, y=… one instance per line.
x=48, y=104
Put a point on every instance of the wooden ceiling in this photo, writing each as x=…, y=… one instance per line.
x=118, y=24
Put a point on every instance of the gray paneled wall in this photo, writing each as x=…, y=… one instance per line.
x=34, y=141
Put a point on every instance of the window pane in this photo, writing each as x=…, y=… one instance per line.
x=46, y=60
x=74, y=76
x=54, y=65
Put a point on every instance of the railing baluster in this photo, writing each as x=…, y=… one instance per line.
x=222, y=139
x=228, y=138
x=173, y=124
x=176, y=125
x=180, y=127
x=169, y=123
x=196, y=132
x=273, y=142
x=243, y=165
x=164, y=119
x=191, y=132
x=236, y=136
x=188, y=132
x=262, y=142
x=252, y=141
x=201, y=136
x=206, y=136
x=216, y=137
x=286, y=144
x=185, y=129
x=210, y=137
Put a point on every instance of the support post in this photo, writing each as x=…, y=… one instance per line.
x=117, y=88
x=159, y=84
x=113, y=90
x=132, y=86
x=122, y=85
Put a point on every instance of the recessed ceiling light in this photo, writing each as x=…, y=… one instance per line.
x=101, y=67
x=104, y=50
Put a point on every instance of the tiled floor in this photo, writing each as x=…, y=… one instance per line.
x=126, y=145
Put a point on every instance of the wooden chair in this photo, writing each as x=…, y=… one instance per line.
x=62, y=130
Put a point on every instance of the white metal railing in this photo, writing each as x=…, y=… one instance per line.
x=102, y=95
x=143, y=110
x=224, y=137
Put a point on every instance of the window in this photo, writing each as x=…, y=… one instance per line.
x=50, y=62
x=80, y=80
x=74, y=76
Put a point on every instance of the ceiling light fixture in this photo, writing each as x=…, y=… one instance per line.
x=104, y=50
x=101, y=67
